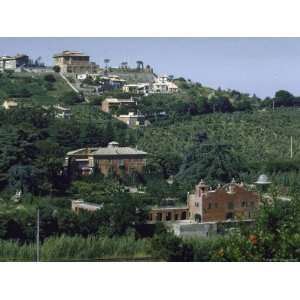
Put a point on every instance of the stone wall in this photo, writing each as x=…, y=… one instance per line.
x=195, y=230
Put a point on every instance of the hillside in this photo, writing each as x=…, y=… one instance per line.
x=196, y=133
x=33, y=88
x=260, y=138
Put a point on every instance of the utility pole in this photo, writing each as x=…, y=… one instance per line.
x=273, y=102
x=38, y=235
x=291, y=147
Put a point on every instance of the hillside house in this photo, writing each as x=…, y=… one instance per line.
x=163, y=86
x=116, y=82
x=13, y=62
x=105, y=159
x=80, y=205
x=132, y=119
x=231, y=201
x=138, y=88
x=74, y=62
x=111, y=104
x=8, y=104
x=61, y=112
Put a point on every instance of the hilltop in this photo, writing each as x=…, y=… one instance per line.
x=132, y=75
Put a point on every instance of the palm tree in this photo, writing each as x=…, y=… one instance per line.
x=106, y=61
x=140, y=65
x=124, y=65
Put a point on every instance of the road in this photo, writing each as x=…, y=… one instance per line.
x=73, y=87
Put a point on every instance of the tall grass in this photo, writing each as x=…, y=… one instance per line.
x=13, y=251
x=66, y=248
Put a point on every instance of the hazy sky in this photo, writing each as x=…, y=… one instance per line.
x=254, y=65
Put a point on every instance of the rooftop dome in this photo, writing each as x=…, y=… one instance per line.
x=263, y=179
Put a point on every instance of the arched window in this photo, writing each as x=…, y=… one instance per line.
x=183, y=215
x=229, y=216
x=168, y=216
x=198, y=218
x=159, y=217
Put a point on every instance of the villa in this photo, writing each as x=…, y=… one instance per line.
x=105, y=159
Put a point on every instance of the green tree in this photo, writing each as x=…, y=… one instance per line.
x=283, y=98
x=168, y=247
x=215, y=162
x=50, y=78
x=71, y=98
x=56, y=69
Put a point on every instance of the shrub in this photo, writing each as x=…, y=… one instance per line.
x=50, y=78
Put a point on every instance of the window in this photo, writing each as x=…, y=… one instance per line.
x=230, y=205
x=150, y=217
x=176, y=216
x=168, y=216
x=209, y=205
x=243, y=203
x=183, y=215
x=198, y=218
x=159, y=217
x=229, y=216
x=197, y=204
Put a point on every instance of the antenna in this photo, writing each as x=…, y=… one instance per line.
x=38, y=235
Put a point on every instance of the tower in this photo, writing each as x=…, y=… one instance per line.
x=201, y=188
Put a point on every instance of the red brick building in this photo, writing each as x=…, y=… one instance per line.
x=106, y=159
x=231, y=201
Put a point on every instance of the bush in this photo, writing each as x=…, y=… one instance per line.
x=56, y=69
x=71, y=98
x=50, y=78
x=168, y=247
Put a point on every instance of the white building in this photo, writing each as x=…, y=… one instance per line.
x=137, y=88
x=132, y=119
x=13, y=62
x=163, y=86
x=8, y=104
x=80, y=205
x=62, y=112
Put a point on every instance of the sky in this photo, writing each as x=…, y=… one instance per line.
x=252, y=65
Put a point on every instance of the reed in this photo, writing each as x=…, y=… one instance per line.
x=66, y=248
